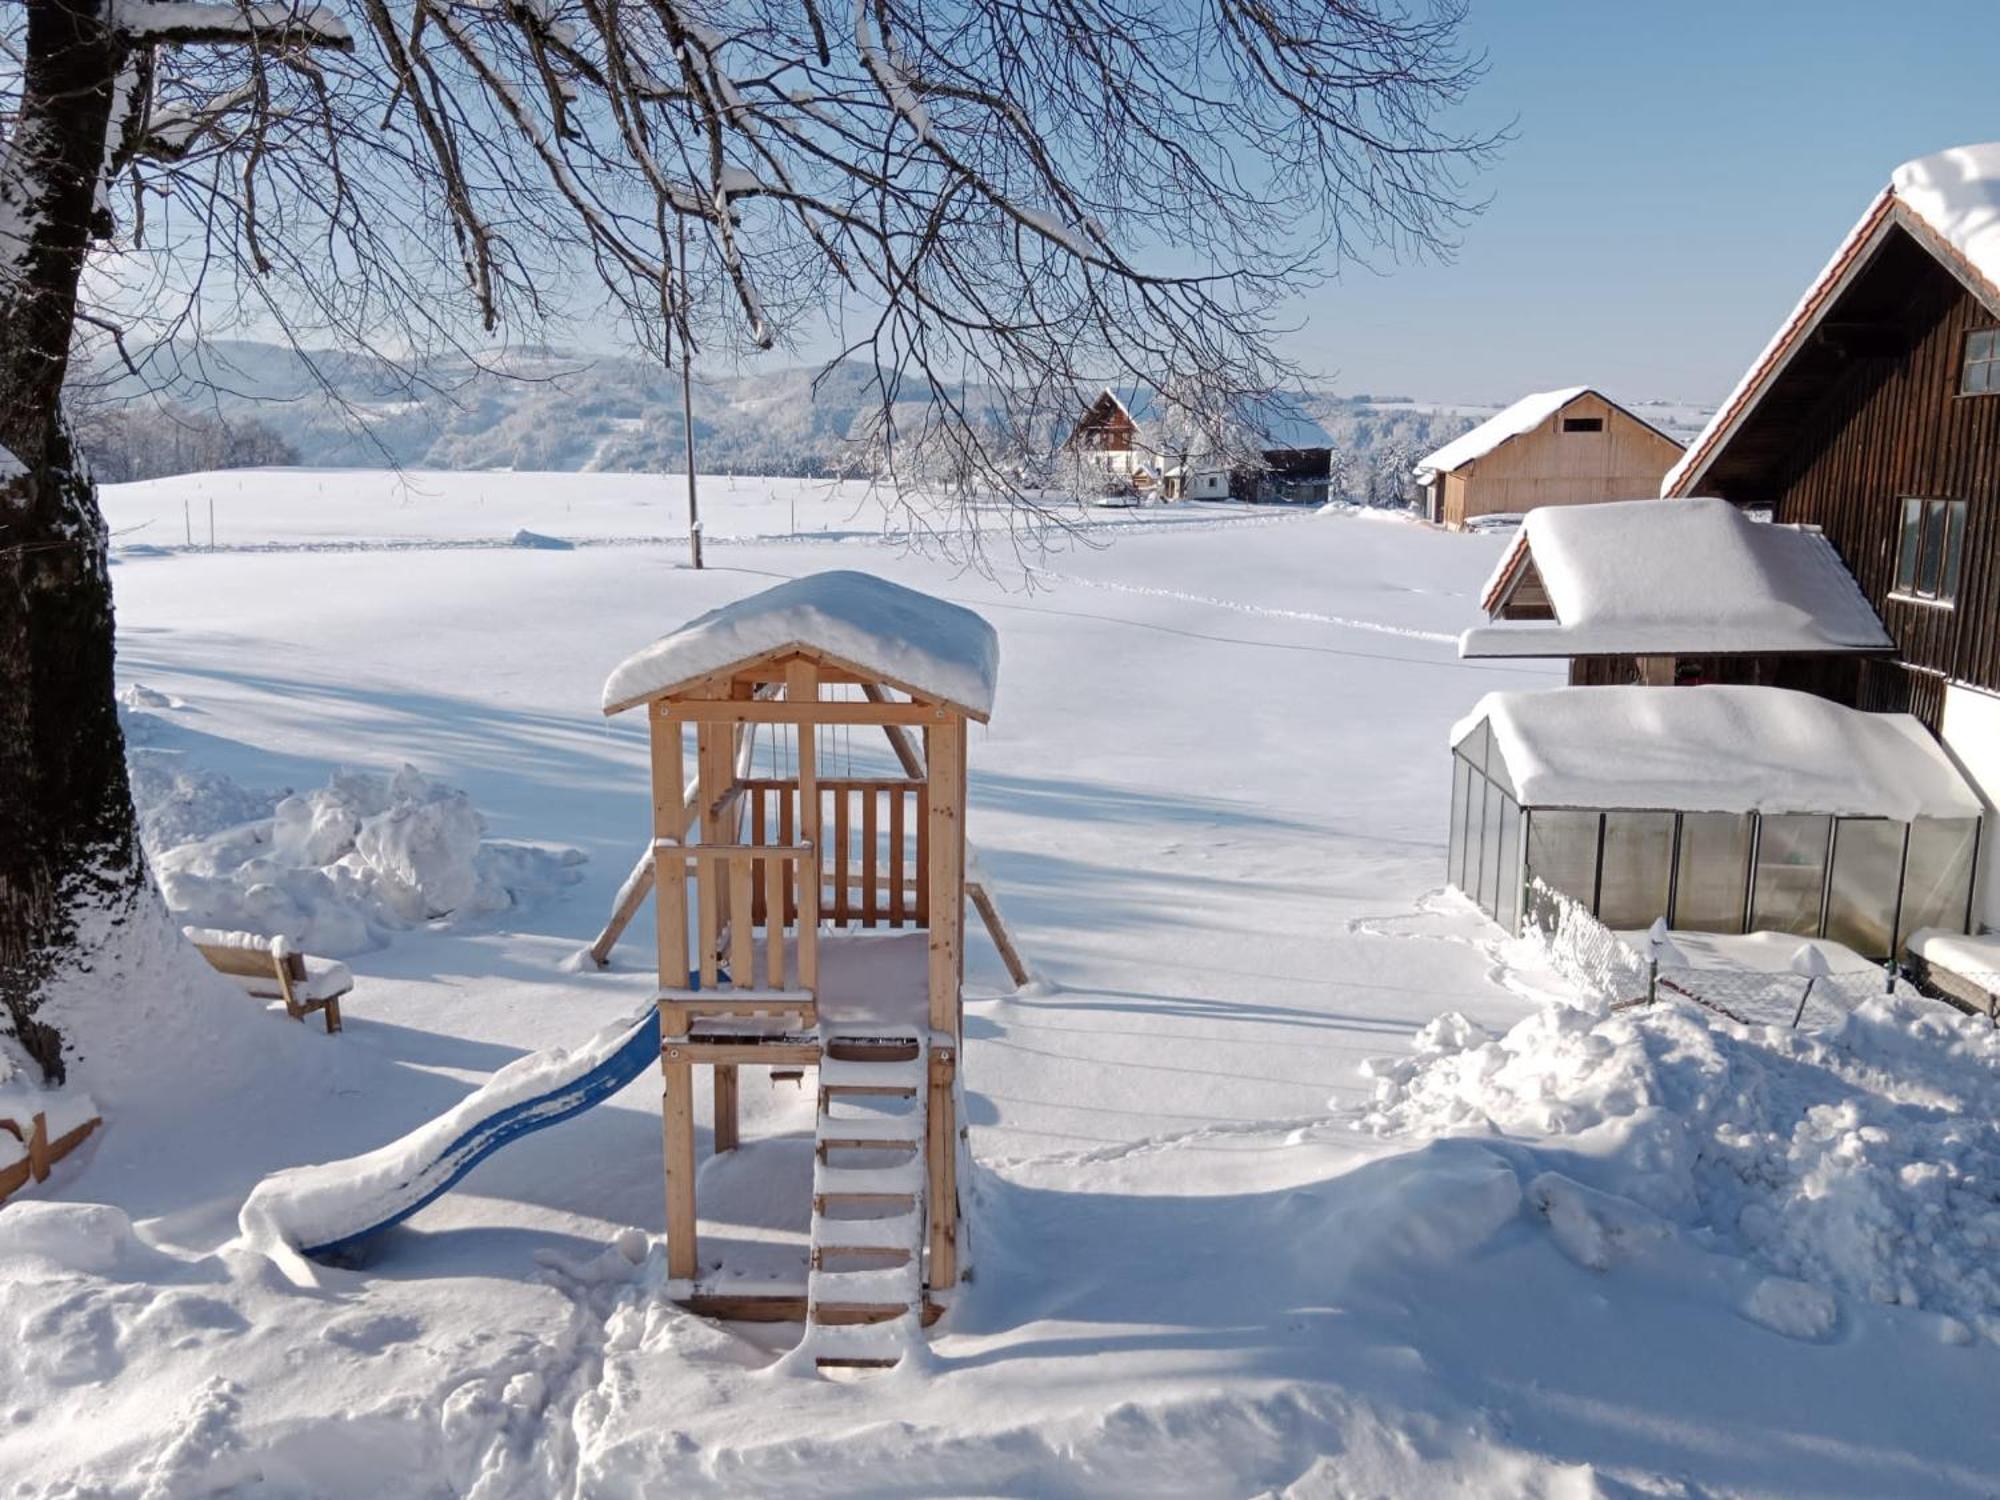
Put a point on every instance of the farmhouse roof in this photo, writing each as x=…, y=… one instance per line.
x=1949, y=203
x=1676, y=577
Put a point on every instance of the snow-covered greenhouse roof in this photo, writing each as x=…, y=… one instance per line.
x=1711, y=749
x=1676, y=577
x=907, y=639
x=1949, y=202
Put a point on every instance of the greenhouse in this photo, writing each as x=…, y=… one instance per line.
x=1723, y=809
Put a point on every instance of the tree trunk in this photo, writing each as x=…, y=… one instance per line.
x=69, y=847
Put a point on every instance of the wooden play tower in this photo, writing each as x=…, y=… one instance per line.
x=809, y=920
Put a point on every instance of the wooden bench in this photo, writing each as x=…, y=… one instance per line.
x=268, y=969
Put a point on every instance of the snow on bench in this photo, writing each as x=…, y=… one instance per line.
x=267, y=969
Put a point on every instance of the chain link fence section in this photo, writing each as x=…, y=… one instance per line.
x=1758, y=998
x=1583, y=950
x=1604, y=966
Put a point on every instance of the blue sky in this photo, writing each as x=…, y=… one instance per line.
x=1681, y=169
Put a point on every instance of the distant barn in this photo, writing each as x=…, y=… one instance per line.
x=1567, y=447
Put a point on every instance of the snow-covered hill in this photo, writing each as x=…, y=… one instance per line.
x=551, y=410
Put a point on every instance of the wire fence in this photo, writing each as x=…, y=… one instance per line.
x=1604, y=966
x=1784, y=999
x=1582, y=949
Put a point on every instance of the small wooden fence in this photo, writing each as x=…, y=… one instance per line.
x=733, y=884
x=43, y=1152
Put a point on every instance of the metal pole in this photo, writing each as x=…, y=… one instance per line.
x=1806, y=995
x=687, y=402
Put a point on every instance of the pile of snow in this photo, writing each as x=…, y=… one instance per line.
x=334, y=870
x=907, y=637
x=1859, y=1161
x=337, y=869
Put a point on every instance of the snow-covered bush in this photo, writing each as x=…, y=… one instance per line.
x=1863, y=1158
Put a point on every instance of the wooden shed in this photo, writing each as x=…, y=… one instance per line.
x=812, y=919
x=1566, y=447
x=1677, y=592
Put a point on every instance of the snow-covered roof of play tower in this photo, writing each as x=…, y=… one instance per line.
x=1717, y=749
x=908, y=639
x=1677, y=577
x=1949, y=201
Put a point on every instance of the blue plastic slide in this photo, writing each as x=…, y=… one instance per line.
x=324, y=1210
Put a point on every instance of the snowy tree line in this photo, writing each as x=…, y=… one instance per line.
x=150, y=440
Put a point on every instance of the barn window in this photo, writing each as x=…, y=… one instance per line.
x=1929, y=549
x=1981, y=375
x=1595, y=424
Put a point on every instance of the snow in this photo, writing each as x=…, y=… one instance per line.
x=1718, y=748
x=154, y=18
x=1957, y=193
x=1192, y=1274
x=1855, y=1161
x=335, y=870
x=911, y=639
x=1523, y=416
x=1976, y=955
x=10, y=466
x=1681, y=577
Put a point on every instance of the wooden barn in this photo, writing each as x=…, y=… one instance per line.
x=1568, y=447
x=1874, y=415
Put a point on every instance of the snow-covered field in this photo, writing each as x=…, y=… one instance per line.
x=1535, y=1252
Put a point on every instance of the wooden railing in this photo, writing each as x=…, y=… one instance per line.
x=734, y=884
x=873, y=846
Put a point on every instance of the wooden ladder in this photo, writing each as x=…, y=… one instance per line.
x=864, y=1290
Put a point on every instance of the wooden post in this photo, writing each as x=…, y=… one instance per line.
x=726, y=1128
x=899, y=737
x=941, y=1167
x=670, y=905
x=996, y=928
x=801, y=687
x=677, y=1118
x=943, y=754
x=958, y=901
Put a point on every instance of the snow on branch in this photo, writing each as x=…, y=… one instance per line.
x=178, y=22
